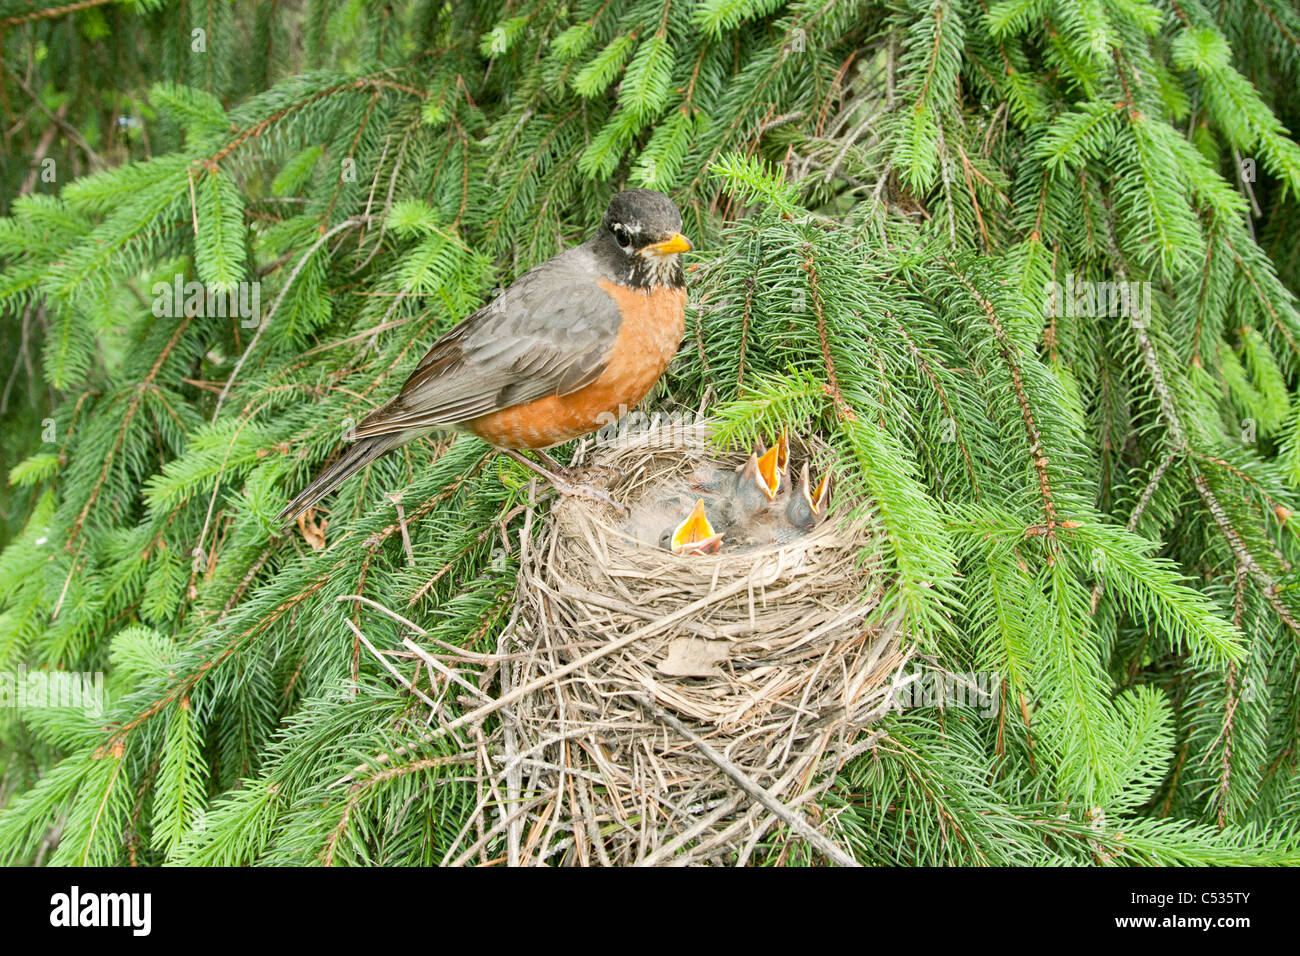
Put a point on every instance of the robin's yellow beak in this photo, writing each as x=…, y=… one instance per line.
x=673, y=244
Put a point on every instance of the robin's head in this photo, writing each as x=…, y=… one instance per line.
x=640, y=237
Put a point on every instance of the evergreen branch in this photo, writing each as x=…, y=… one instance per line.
x=51, y=13
x=284, y=289
x=261, y=127
x=132, y=407
x=842, y=407
x=1037, y=452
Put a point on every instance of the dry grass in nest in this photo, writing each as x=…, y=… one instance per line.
x=661, y=708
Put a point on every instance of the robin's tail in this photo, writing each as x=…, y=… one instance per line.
x=358, y=455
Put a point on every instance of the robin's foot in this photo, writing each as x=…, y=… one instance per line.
x=552, y=464
x=573, y=472
x=564, y=485
x=588, y=493
x=611, y=470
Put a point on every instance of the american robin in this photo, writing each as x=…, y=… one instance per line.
x=695, y=535
x=740, y=496
x=783, y=461
x=583, y=336
x=808, y=504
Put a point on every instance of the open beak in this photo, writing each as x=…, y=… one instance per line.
x=769, y=473
x=696, y=534
x=820, y=497
x=673, y=244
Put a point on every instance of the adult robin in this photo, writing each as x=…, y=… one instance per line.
x=582, y=337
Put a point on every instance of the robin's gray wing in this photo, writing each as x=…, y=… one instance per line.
x=549, y=333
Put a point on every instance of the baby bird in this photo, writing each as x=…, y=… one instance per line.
x=750, y=491
x=755, y=505
x=808, y=505
x=788, y=520
x=695, y=535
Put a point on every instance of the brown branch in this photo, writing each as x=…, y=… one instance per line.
x=257, y=129
x=1267, y=586
x=842, y=407
x=1268, y=306
x=51, y=13
x=745, y=317
x=1039, y=460
x=121, y=433
x=1178, y=435
x=57, y=117
x=967, y=169
x=355, y=792
x=926, y=368
x=184, y=686
x=934, y=56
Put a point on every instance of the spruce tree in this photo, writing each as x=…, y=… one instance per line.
x=1029, y=266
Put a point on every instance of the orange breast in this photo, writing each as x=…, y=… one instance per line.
x=653, y=323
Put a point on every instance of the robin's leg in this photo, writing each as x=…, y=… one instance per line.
x=562, y=485
x=550, y=462
x=570, y=472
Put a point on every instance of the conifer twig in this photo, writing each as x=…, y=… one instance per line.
x=1037, y=453
x=261, y=326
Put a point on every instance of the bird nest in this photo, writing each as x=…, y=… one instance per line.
x=658, y=707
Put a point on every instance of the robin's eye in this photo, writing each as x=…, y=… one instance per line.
x=622, y=236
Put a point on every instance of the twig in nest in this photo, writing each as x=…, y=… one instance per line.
x=793, y=820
